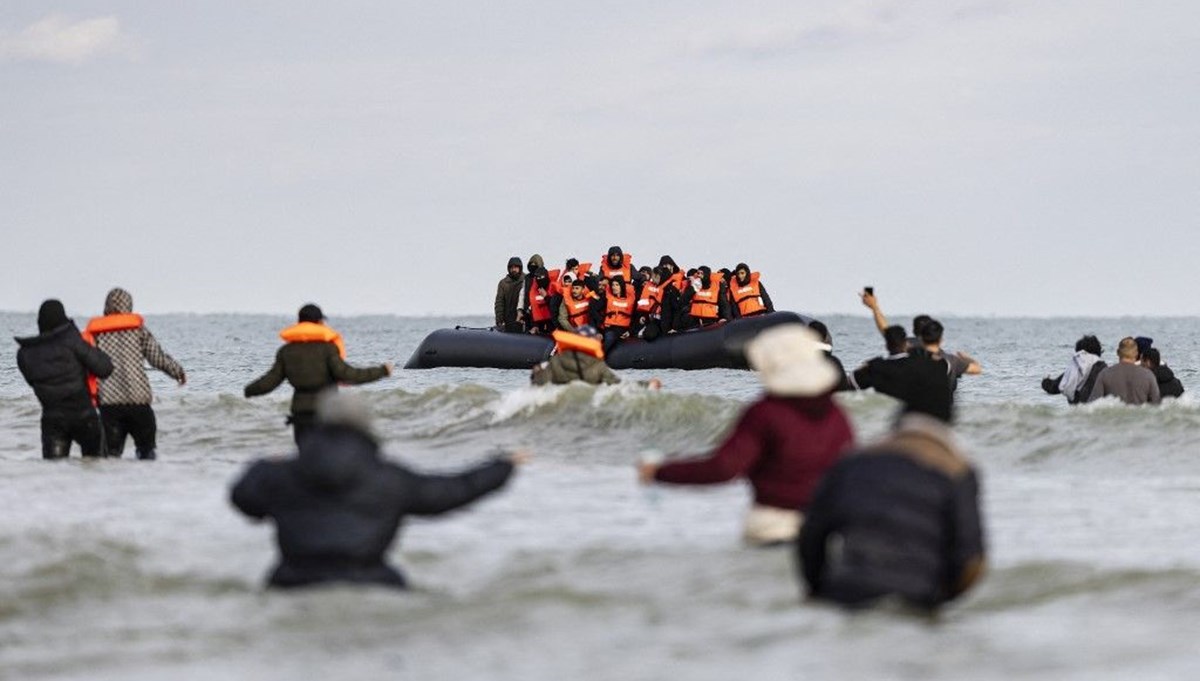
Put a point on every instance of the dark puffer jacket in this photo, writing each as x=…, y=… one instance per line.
x=310, y=368
x=56, y=363
x=1168, y=384
x=900, y=518
x=337, y=505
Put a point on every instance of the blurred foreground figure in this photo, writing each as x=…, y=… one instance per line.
x=899, y=518
x=338, y=504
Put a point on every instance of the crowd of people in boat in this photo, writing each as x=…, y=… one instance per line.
x=622, y=300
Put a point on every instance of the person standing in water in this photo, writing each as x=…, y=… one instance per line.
x=125, y=395
x=59, y=365
x=312, y=359
x=783, y=443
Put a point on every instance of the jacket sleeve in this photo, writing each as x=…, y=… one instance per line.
x=1050, y=385
x=252, y=493
x=723, y=301
x=158, y=358
x=500, y=305
x=562, y=317
x=436, y=494
x=967, y=553
x=766, y=298
x=268, y=381
x=1155, y=393
x=345, y=373
x=93, y=359
x=1099, y=390
x=734, y=457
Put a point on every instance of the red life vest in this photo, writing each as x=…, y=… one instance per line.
x=705, y=302
x=581, y=270
x=555, y=288
x=578, y=311
x=619, y=311
x=565, y=341
x=747, y=297
x=123, y=321
x=539, y=306
x=313, y=332
x=625, y=270
x=651, y=300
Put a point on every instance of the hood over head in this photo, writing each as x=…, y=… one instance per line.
x=615, y=252
x=51, y=315
x=1163, y=374
x=535, y=262
x=343, y=446
x=118, y=301
x=791, y=362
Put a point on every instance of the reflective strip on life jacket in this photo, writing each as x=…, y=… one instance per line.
x=705, y=301
x=677, y=281
x=619, y=311
x=651, y=299
x=625, y=270
x=539, y=306
x=565, y=341
x=312, y=332
x=748, y=297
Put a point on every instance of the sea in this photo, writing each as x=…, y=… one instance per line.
x=120, y=569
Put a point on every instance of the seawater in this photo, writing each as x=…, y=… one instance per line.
x=129, y=570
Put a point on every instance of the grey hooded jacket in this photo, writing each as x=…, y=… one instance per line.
x=128, y=383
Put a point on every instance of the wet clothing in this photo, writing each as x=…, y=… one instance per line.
x=123, y=420
x=56, y=363
x=781, y=445
x=899, y=518
x=573, y=366
x=920, y=382
x=310, y=368
x=1168, y=384
x=1083, y=391
x=338, y=504
x=508, y=300
x=1133, y=383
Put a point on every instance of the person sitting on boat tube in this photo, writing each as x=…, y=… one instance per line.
x=706, y=301
x=542, y=303
x=619, y=306
x=748, y=297
x=579, y=308
x=617, y=262
x=783, y=444
x=312, y=359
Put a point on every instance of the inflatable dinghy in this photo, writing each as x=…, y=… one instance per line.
x=713, y=347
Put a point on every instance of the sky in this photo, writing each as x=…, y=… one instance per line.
x=964, y=158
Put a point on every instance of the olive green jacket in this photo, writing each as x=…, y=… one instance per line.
x=310, y=368
x=574, y=366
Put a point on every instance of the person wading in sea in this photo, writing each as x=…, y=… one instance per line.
x=312, y=359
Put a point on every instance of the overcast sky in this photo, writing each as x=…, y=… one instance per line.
x=985, y=157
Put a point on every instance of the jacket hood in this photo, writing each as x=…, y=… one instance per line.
x=51, y=315
x=668, y=260
x=535, y=262
x=334, y=458
x=1163, y=374
x=67, y=328
x=615, y=251
x=118, y=301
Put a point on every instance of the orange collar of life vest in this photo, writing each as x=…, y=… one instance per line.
x=114, y=322
x=565, y=341
x=312, y=332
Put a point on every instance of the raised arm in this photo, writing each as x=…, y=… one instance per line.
x=436, y=494
x=869, y=300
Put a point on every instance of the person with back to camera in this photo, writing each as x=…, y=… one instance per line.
x=579, y=356
x=312, y=359
x=1078, y=379
x=881, y=322
x=899, y=519
x=1127, y=380
x=60, y=365
x=1168, y=384
x=125, y=395
x=783, y=443
x=338, y=503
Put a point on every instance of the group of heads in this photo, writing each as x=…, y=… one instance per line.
x=1129, y=349
x=666, y=268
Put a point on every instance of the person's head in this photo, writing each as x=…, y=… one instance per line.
x=1143, y=344
x=726, y=273
x=1089, y=344
x=514, y=267
x=535, y=261
x=310, y=313
x=705, y=273
x=822, y=331
x=919, y=323
x=742, y=272
x=691, y=273
x=791, y=362
x=577, y=289
x=1127, y=350
x=572, y=263
x=660, y=274
x=118, y=301
x=645, y=271
x=616, y=258
x=617, y=286
x=1151, y=358
x=542, y=277
x=896, y=339
x=669, y=263
x=51, y=315
x=931, y=332
x=345, y=410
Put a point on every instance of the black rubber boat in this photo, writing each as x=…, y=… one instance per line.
x=713, y=347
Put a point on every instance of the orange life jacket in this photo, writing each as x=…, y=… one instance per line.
x=578, y=311
x=565, y=341
x=619, y=311
x=539, y=306
x=677, y=281
x=312, y=332
x=625, y=270
x=555, y=288
x=108, y=323
x=705, y=302
x=651, y=300
x=581, y=270
x=747, y=297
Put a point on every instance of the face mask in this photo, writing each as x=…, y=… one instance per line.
x=696, y=284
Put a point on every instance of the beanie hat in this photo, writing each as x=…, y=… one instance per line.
x=311, y=313
x=51, y=315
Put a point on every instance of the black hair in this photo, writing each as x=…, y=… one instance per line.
x=920, y=321
x=572, y=263
x=822, y=331
x=896, y=339
x=931, y=332
x=1090, y=344
x=1151, y=355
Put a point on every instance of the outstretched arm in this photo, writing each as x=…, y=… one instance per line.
x=268, y=381
x=159, y=359
x=869, y=300
x=436, y=494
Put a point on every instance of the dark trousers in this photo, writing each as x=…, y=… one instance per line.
x=302, y=422
x=122, y=420
x=60, y=429
x=612, y=335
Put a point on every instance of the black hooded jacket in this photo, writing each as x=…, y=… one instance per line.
x=1168, y=384
x=337, y=505
x=56, y=363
